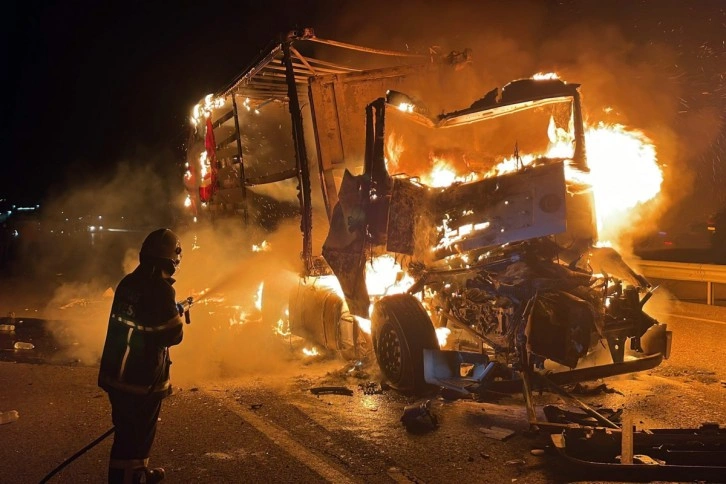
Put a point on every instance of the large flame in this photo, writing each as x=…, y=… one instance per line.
x=623, y=174
x=624, y=171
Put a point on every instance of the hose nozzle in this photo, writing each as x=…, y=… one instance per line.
x=183, y=308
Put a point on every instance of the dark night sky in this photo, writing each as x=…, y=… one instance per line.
x=89, y=83
x=92, y=82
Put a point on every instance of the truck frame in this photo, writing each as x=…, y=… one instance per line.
x=507, y=261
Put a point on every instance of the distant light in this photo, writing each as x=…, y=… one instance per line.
x=91, y=228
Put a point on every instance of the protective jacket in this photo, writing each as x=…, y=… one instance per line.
x=144, y=322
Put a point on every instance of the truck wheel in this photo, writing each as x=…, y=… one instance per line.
x=401, y=331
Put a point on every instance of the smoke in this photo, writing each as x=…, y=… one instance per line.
x=84, y=242
x=654, y=70
x=628, y=77
x=242, y=278
x=231, y=270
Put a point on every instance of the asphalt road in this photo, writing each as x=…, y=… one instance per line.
x=265, y=425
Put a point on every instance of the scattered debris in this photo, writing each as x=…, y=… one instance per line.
x=255, y=406
x=515, y=462
x=647, y=460
x=497, y=433
x=555, y=414
x=419, y=417
x=371, y=388
x=401, y=475
x=585, y=389
x=484, y=455
x=8, y=417
x=652, y=454
x=331, y=391
x=537, y=452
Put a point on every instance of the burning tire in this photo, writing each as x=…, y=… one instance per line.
x=401, y=331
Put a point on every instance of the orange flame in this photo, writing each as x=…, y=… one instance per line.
x=442, y=334
x=624, y=171
x=312, y=351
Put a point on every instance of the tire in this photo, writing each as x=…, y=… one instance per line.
x=402, y=329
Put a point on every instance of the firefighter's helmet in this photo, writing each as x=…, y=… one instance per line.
x=161, y=244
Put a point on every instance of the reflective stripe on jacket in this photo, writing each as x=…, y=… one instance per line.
x=143, y=323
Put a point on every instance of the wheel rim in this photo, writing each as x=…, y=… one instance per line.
x=389, y=349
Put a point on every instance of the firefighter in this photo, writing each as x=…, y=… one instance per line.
x=144, y=322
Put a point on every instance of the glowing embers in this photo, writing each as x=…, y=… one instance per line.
x=450, y=235
x=312, y=351
x=264, y=246
x=249, y=312
x=406, y=107
x=442, y=334
x=282, y=327
x=204, y=108
x=545, y=76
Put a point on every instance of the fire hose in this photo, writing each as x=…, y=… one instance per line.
x=183, y=308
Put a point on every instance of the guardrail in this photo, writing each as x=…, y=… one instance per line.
x=680, y=271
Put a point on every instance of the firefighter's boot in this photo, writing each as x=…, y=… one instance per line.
x=148, y=475
x=154, y=475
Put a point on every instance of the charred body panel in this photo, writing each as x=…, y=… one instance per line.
x=492, y=211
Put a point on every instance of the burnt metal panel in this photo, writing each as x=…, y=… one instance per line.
x=509, y=208
x=338, y=105
x=407, y=200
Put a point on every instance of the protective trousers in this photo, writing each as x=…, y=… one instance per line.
x=134, y=419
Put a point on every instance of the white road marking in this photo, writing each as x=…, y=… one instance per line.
x=281, y=438
x=690, y=317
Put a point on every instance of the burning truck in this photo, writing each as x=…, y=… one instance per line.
x=460, y=249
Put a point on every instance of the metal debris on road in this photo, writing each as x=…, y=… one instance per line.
x=584, y=389
x=9, y=417
x=419, y=417
x=331, y=391
x=497, y=433
x=371, y=388
x=555, y=414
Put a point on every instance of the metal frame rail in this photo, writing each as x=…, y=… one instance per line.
x=680, y=271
